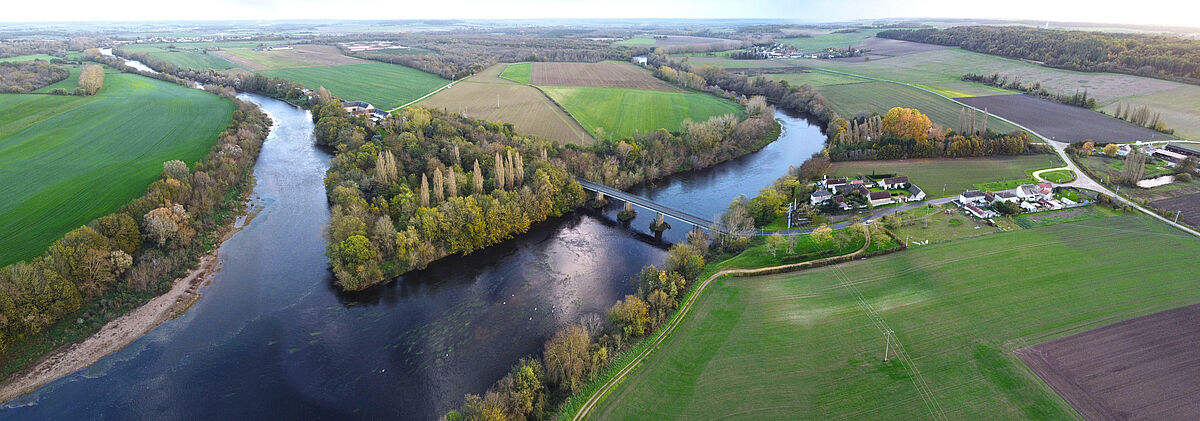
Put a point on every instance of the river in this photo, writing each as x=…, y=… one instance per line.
x=131, y=63
x=272, y=339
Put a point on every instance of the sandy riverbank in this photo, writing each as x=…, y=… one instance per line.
x=114, y=335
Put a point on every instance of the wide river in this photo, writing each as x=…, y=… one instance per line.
x=272, y=339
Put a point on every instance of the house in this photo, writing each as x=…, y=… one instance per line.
x=1032, y=192
x=894, y=182
x=833, y=183
x=970, y=196
x=977, y=212
x=1047, y=189
x=352, y=106
x=879, y=198
x=820, y=197
x=917, y=194
x=378, y=115
x=1124, y=150
x=640, y=60
x=840, y=201
x=1007, y=196
x=988, y=197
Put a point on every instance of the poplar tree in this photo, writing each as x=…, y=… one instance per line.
x=477, y=179
x=499, y=172
x=424, y=191
x=451, y=183
x=439, y=190
x=520, y=169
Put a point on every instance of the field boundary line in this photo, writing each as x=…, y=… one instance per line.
x=609, y=386
x=444, y=87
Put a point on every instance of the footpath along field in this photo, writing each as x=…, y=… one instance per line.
x=811, y=344
x=65, y=160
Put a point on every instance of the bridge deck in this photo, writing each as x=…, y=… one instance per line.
x=645, y=203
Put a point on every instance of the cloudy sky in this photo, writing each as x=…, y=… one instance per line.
x=1169, y=12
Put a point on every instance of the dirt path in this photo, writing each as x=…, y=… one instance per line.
x=686, y=308
x=115, y=335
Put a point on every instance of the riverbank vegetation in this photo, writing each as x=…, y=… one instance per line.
x=425, y=184
x=103, y=269
x=1161, y=56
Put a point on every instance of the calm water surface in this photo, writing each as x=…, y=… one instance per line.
x=272, y=339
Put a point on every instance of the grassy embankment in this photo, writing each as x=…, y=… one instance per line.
x=810, y=344
x=65, y=160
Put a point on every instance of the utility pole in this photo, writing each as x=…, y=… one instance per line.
x=1177, y=216
x=943, y=189
x=887, y=347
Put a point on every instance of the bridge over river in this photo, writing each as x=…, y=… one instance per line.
x=631, y=199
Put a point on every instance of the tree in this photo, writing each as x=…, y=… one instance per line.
x=566, y=357
x=1134, y=168
x=451, y=182
x=385, y=168
x=477, y=179
x=439, y=190
x=631, y=316
x=1188, y=166
x=161, y=225
x=91, y=79
x=498, y=172
x=175, y=169
x=685, y=260
x=906, y=123
x=774, y=242
x=823, y=235
x=424, y=191
x=1110, y=149
x=121, y=229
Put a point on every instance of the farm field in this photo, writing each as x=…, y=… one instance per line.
x=517, y=72
x=941, y=70
x=622, y=112
x=187, y=56
x=1062, y=122
x=810, y=344
x=65, y=160
x=956, y=175
x=820, y=42
x=677, y=41
x=28, y=58
x=1187, y=205
x=815, y=79
x=384, y=85
x=608, y=74
x=1141, y=368
x=526, y=107
x=879, y=97
x=298, y=56
x=729, y=63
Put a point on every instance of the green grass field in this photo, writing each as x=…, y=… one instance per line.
x=809, y=345
x=637, y=40
x=879, y=97
x=188, y=56
x=954, y=175
x=383, y=85
x=1059, y=176
x=28, y=58
x=65, y=160
x=70, y=83
x=518, y=72
x=816, y=79
x=622, y=112
x=823, y=41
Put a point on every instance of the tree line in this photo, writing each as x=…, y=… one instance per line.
x=278, y=88
x=1034, y=88
x=907, y=133
x=1161, y=56
x=99, y=271
x=1143, y=116
x=91, y=80
x=28, y=76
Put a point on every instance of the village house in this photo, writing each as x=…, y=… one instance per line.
x=820, y=197
x=879, y=198
x=1007, y=196
x=378, y=115
x=894, y=182
x=977, y=212
x=970, y=196
x=835, y=184
x=354, y=106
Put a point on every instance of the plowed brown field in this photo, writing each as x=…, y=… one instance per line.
x=1142, y=368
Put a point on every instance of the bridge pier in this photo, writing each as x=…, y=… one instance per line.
x=600, y=201
x=628, y=213
x=659, y=225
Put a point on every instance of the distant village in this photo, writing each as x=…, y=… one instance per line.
x=778, y=51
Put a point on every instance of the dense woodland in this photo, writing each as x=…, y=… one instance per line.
x=1162, y=56
x=1078, y=99
x=28, y=76
x=115, y=263
x=425, y=184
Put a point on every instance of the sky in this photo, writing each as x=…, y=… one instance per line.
x=1162, y=12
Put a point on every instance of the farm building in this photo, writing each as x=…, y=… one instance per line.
x=378, y=115
x=352, y=106
x=1166, y=155
x=894, y=182
x=977, y=212
x=1184, y=149
x=1007, y=196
